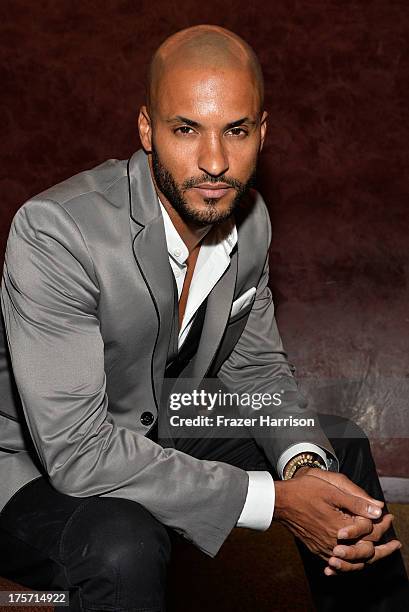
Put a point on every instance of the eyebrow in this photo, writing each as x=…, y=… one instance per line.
x=195, y=124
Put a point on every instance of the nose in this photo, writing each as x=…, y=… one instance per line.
x=212, y=156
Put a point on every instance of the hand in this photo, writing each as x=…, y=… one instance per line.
x=313, y=510
x=348, y=557
x=351, y=557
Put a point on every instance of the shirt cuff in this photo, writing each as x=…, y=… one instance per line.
x=258, y=508
x=296, y=449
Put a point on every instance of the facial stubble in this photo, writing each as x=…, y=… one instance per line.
x=175, y=194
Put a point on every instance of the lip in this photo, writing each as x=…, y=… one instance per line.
x=212, y=190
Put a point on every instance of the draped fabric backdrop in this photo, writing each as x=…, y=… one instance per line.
x=334, y=172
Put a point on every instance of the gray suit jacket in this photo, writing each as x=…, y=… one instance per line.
x=87, y=298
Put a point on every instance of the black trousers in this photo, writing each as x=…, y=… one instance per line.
x=111, y=554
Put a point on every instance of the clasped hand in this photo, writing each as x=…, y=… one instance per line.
x=335, y=519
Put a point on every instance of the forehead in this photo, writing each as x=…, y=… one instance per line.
x=211, y=93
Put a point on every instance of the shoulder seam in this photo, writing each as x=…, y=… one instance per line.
x=78, y=195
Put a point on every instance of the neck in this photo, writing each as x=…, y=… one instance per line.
x=191, y=235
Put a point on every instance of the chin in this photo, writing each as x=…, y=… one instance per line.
x=220, y=204
x=210, y=214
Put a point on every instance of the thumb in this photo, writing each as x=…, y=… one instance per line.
x=353, y=489
x=357, y=505
x=348, y=486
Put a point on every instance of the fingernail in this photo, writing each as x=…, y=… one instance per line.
x=339, y=552
x=374, y=511
x=335, y=563
x=342, y=534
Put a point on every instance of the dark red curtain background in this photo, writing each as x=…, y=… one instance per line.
x=334, y=172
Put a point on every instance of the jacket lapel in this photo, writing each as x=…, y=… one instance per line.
x=248, y=252
x=152, y=259
x=218, y=309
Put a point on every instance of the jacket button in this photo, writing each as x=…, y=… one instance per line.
x=147, y=418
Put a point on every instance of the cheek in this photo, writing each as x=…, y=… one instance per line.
x=242, y=163
x=179, y=158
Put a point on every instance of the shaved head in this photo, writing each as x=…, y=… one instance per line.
x=203, y=124
x=207, y=47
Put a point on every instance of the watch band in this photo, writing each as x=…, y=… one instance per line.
x=303, y=460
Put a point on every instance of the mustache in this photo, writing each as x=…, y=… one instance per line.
x=206, y=178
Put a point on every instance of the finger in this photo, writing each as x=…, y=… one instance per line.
x=329, y=572
x=380, y=528
x=356, y=505
x=344, y=566
x=384, y=550
x=359, y=528
x=361, y=551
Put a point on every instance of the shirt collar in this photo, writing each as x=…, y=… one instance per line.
x=223, y=236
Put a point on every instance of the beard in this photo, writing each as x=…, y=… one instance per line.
x=175, y=194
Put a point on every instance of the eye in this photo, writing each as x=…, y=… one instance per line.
x=183, y=129
x=237, y=131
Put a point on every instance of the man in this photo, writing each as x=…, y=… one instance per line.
x=133, y=274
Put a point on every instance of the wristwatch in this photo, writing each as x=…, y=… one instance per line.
x=303, y=460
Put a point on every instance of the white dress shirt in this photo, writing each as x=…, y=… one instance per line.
x=212, y=261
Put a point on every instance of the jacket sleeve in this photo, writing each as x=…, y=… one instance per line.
x=258, y=364
x=49, y=299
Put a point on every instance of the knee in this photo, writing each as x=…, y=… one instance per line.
x=348, y=439
x=132, y=539
x=353, y=449
x=121, y=538
x=355, y=434
x=341, y=428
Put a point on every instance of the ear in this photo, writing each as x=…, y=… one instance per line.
x=263, y=128
x=145, y=129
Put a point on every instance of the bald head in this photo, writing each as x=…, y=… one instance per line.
x=204, y=47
